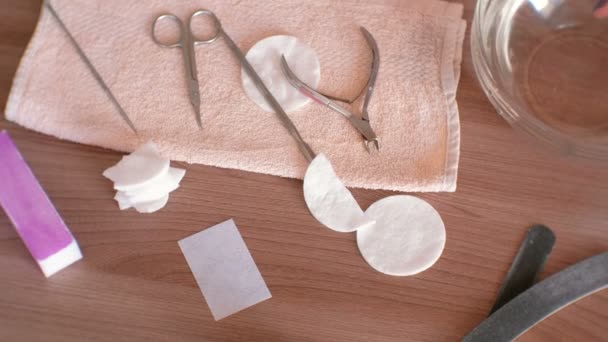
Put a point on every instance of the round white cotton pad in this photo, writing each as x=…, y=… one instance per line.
x=265, y=57
x=329, y=201
x=408, y=237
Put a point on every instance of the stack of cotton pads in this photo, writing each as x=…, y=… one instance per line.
x=144, y=179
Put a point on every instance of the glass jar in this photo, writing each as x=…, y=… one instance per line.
x=544, y=66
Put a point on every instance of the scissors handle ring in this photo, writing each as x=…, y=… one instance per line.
x=216, y=23
x=181, y=31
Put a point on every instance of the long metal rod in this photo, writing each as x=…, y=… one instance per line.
x=86, y=60
x=285, y=120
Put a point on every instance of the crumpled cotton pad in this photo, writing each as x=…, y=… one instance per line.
x=144, y=180
x=155, y=189
x=329, y=201
x=138, y=168
x=408, y=236
x=150, y=207
x=265, y=57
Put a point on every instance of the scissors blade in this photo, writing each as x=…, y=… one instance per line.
x=195, y=99
x=372, y=145
x=371, y=83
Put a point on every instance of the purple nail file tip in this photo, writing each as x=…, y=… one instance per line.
x=35, y=218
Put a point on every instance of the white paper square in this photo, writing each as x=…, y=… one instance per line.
x=224, y=269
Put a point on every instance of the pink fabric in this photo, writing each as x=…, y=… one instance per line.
x=601, y=12
x=413, y=110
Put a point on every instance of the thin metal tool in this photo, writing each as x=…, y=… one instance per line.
x=186, y=41
x=527, y=265
x=86, y=60
x=285, y=120
x=542, y=300
x=362, y=124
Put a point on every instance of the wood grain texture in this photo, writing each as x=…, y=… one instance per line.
x=134, y=284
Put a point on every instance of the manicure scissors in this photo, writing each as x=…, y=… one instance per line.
x=187, y=41
x=362, y=123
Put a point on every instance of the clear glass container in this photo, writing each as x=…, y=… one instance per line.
x=544, y=66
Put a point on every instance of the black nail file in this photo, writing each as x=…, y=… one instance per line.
x=527, y=265
x=542, y=300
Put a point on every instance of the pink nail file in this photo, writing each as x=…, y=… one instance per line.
x=35, y=218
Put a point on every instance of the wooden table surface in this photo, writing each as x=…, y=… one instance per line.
x=134, y=284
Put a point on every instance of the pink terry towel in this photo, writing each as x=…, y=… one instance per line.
x=413, y=109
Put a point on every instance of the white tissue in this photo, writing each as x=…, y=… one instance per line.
x=408, y=237
x=144, y=180
x=329, y=201
x=265, y=57
x=224, y=270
